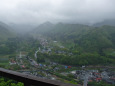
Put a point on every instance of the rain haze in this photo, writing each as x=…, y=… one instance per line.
x=57, y=42
x=35, y=12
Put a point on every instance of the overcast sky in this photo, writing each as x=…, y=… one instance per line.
x=39, y=11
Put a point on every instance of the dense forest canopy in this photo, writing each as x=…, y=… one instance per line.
x=90, y=45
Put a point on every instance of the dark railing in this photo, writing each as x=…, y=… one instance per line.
x=29, y=80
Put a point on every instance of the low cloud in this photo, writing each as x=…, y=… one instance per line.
x=39, y=11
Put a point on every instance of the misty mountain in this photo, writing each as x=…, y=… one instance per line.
x=48, y=28
x=60, y=30
x=106, y=22
x=98, y=39
x=4, y=25
x=81, y=37
x=5, y=31
x=42, y=28
x=22, y=28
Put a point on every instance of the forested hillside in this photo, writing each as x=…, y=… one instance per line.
x=110, y=22
x=5, y=32
x=89, y=45
x=86, y=38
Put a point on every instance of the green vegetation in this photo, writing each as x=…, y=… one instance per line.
x=65, y=77
x=83, y=38
x=99, y=84
x=89, y=45
x=9, y=82
x=5, y=33
x=70, y=44
x=78, y=59
x=4, y=60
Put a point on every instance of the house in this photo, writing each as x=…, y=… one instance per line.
x=98, y=79
x=73, y=72
x=23, y=66
x=104, y=75
x=69, y=66
x=12, y=62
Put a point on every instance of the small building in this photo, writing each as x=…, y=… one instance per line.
x=73, y=72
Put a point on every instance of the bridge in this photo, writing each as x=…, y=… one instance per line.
x=30, y=80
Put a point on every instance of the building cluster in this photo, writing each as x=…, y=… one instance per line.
x=12, y=62
x=95, y=75
x=32, y=61
x=44, y=42
x=45, y=50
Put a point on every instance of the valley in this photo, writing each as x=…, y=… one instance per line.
x=86, y=56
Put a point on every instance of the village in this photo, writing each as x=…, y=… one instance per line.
x=56, y=71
